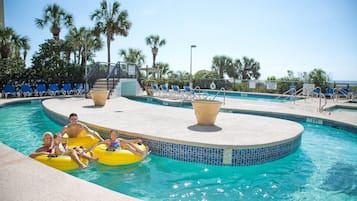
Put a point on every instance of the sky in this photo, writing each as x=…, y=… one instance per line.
x=282, y=35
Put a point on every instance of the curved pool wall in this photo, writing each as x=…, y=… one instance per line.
x=231, y=155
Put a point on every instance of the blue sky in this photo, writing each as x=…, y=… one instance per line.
x=297, y=35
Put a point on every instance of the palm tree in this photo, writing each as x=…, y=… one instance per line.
x=110, y=20
x=82, y=42
x=154, y=42
x=319, y=77
x=221, y=64
x=55, y=16
x=25, y=46
x=250, y=69
x=164, y=69
x=11, y=43
x=72, y=44
x=7, y=35
x=133, y=56
x=234, y=71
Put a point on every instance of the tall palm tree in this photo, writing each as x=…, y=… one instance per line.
x=221, y=64
x=111, y=21
x=133, y=56
x=55, y=16
x=154, y=42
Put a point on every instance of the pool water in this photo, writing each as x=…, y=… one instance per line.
x=340, y=108
x=255, y=97
x=323, y=168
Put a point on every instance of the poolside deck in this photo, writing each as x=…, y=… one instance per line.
x=178, y=125
x=17, y=172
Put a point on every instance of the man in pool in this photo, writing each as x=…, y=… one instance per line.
x=74, y=128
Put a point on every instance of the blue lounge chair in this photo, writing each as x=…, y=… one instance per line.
x=41, y=90
x=292, y=89
x=9, y=89
x=344, y=92
x=67, y=89
x=164, y=90
x=79, y=89
x=316, y=92
x=26, y=90
x=155, y=89
x=329, y=92
x=54, y=90
x=176, y=92
x=189, y=92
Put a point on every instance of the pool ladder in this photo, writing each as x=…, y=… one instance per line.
x=204, y=95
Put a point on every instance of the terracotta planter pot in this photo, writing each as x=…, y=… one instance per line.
x=99, y=97
x=206, y=111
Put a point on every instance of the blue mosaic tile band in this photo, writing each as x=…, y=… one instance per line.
x=214, y=156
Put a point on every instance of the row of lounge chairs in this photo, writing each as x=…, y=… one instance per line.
x=25, y=90
x=335, y=93
x=187, y=93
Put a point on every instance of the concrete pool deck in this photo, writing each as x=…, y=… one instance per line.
x=17, y=172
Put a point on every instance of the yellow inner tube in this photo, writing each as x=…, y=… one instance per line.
x=83, y=139
x=61, y=162
x=117, y=157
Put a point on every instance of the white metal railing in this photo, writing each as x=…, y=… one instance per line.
x=224, y=94
x=320, y=96
x=291, y=92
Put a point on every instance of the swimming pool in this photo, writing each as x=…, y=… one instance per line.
x=341, y=108
x=323, y=168
x=251, y=96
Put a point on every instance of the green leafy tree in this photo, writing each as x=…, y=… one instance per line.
x=47, y=62
x=154, y=42
x=318, y=77
x=205, y=74
x=54, y=16
x=111, y=21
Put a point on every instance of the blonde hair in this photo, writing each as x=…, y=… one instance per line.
x=50, y=134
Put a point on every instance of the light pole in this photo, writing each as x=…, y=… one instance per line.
x=85, y=70
x=192, y=46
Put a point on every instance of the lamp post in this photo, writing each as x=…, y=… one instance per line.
x=192, y=46
x=85, y=71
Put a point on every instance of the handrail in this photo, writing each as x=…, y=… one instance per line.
x=336, y=91
x=224, y=95
x=320, y=94
x=294, y=94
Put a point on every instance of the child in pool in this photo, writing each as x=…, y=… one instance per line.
x=116, y=143
x=62, y=149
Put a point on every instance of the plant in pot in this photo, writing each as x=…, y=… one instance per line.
x=206, y=110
